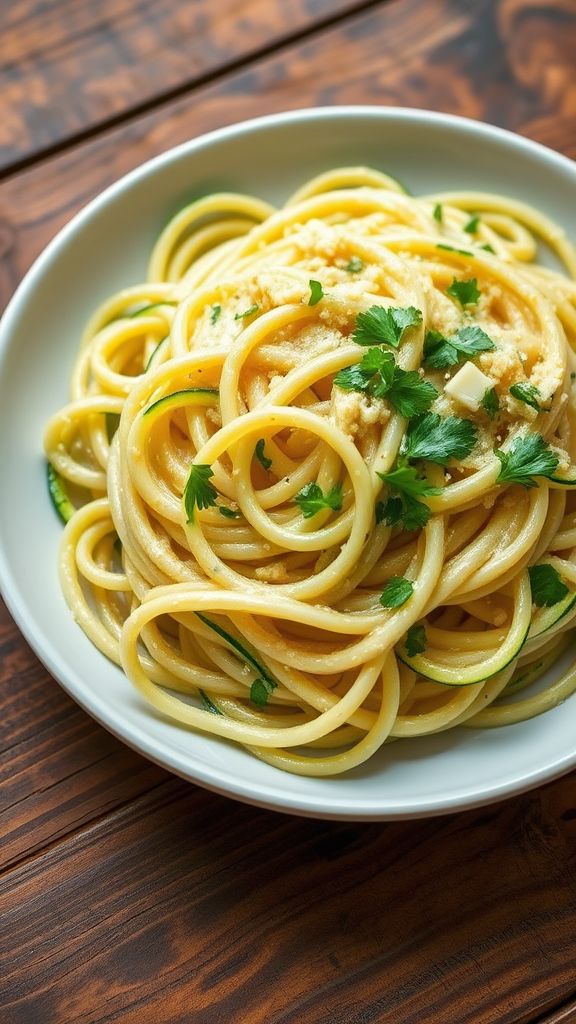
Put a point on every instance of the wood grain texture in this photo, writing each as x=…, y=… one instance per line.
x=70, y=66
x=58, y=768
x=468, y=57
x=188, y=909
x=565, y=1015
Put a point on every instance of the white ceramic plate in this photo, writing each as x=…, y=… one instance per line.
x=104, y=248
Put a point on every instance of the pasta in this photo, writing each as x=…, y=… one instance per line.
x=319, y=470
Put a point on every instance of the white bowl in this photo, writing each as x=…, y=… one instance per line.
x=105, y=247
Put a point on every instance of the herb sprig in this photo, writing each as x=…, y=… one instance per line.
x=198, y=491
x=527, y=457
x=439, y=439
x=441, y=352
x=311, y=499
x=381, y=325
x=403, y=507
x=378, y=375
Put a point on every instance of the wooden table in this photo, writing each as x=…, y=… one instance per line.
x=129, y=895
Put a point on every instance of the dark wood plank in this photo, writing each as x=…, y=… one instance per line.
x=189, y=909
x=58, y=768
x=564, y=1015
x=71, y=66
x=509, y=62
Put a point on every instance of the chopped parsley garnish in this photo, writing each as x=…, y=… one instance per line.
x=439, y=439
x=409, y=394
x=261, y=690
x=263, y=459
x=428, y=437
x=355, y=265
x=404, y=507
x=526, y=458
x=228, y=513
x=385, y=326
x=199, y=492
x=416, y=640
x=438, y=213
x=247, y=312
x=396, y=592
x=311, y=499
x=490, y=402
x=316, y=293
x=546, y=585
x=378, y=375
x=404, y=511
x=472, y=226
x=215, y=314
x=441, y=352
x=389, y=512
x=528, y=394
x=489, y=248
x=466, y=293
x=452, y=248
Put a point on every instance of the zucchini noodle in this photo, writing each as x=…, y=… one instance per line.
x=265, y=531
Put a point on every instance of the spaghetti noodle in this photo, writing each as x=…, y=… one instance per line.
x=323, y=469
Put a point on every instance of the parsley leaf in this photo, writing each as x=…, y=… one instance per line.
x=466, y=292
x=526, y=458
x=247, y=312
x=377, y=375
x=215, y=314
x=372, y=375
x=228, y=513
x=489, y=248
x=438, y=440
x=389, y=512
x=316, y=293
x=406, y=480
x=199, y=492
x=355, y=265
x=528, y=394
x=438, y=213
x=490, y=402
x=416, y=640
x=263, y=459
x=404, y=508
x=396, y=592
x=311, y=499
x=409, y=394
x=384, y=326
x=440, y=352
x=261, y=690
x=546, y=585
x=406, y=512
x=472, y=226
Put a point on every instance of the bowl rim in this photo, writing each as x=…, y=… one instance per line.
x=213, y=777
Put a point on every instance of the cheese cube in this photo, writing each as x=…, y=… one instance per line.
x=469, y=386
